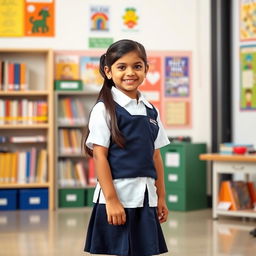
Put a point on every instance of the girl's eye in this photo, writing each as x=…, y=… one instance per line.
x=138, y=67
x=121, y=67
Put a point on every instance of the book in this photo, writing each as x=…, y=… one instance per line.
x=16, y=76
x=241, y=189
x=67, y=67
x=252, y=193
x=89, y=73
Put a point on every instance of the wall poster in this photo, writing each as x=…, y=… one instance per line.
x=248, y=77
x=247, y=20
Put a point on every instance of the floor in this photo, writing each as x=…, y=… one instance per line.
x=35, y=233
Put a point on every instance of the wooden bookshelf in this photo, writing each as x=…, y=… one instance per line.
x=39, y=66
x=88, y=99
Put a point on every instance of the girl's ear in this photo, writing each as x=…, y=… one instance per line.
x=107, y=72
x=146, y=70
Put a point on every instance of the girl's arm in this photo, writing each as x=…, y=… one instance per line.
x=162, y=209
x=115, y=211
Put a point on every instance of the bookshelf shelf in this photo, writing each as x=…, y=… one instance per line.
x=27, y=95
x=24, y=93
x=71, y=155
x=30, y=185
x=25, y=126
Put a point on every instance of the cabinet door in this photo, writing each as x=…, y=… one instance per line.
x=174, y=165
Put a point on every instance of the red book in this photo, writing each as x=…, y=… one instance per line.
x=10, y=76
x=252, y=192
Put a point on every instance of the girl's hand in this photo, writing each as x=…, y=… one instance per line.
x=115, y=212
x=162, y=210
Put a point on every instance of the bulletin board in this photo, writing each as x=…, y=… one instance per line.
x=167, y=85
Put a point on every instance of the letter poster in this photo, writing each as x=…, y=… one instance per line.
x=177, y=83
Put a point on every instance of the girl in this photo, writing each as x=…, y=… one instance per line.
x=124, y=136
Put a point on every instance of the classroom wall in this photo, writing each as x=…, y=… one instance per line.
x=244, y=122
x=165, y=25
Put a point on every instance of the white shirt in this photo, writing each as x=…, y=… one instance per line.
x=130, y=191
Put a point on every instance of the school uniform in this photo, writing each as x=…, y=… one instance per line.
x=133, y=175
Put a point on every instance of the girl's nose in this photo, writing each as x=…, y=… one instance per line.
x=130, y=71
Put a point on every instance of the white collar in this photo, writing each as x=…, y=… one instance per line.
x=122, y=99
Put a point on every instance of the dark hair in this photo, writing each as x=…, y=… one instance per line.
x=113, y=53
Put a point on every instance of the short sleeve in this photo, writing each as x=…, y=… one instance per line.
x=99, y=123
x=161, y=139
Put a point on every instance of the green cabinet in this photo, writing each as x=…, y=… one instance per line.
x=185, y=176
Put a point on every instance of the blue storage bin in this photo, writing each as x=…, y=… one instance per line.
x=8, y=199
x=33, y=199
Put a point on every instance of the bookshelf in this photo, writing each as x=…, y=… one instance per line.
x=26, y=112
x=71, y=189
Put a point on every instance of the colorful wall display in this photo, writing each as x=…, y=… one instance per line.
x=99, y=18
x=247, y=20
x=130, y=19
x=27, y=18
x=177, y=76
x=248, y=77
x=39, y=18
x=11, y=18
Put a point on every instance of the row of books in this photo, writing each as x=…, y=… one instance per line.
x=24, y=167
x=23, y=139
x=70, y=141
x=71, y=111
x=228, y=148
x=76, y=173
x=237, y=195
x=13, y=76
x=23, y=111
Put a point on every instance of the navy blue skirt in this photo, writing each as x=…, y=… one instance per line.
x=141, y=235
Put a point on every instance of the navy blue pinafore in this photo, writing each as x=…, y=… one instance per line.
x=141, y=235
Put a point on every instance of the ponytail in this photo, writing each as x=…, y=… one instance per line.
x=105, y=95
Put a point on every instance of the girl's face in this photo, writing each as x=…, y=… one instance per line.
x=128, y=73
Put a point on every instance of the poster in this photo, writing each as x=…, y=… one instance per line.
x=130, y=19
x=39, y=18
x=247, y=20
x=11, y=18
x=177, y=83
x=177, y=113
x=248, y=78
x=89, y=73
x=99, y=18
x=151, y=87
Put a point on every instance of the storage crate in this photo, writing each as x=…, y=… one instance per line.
x=33, y=199
x=71, y=197
x=89, y=196
x=8, y=199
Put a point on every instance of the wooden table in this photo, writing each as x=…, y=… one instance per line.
x=230, y=164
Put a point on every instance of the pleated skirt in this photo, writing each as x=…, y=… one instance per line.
x=141, y=235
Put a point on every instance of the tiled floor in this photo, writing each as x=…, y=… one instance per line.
x=61, y=233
